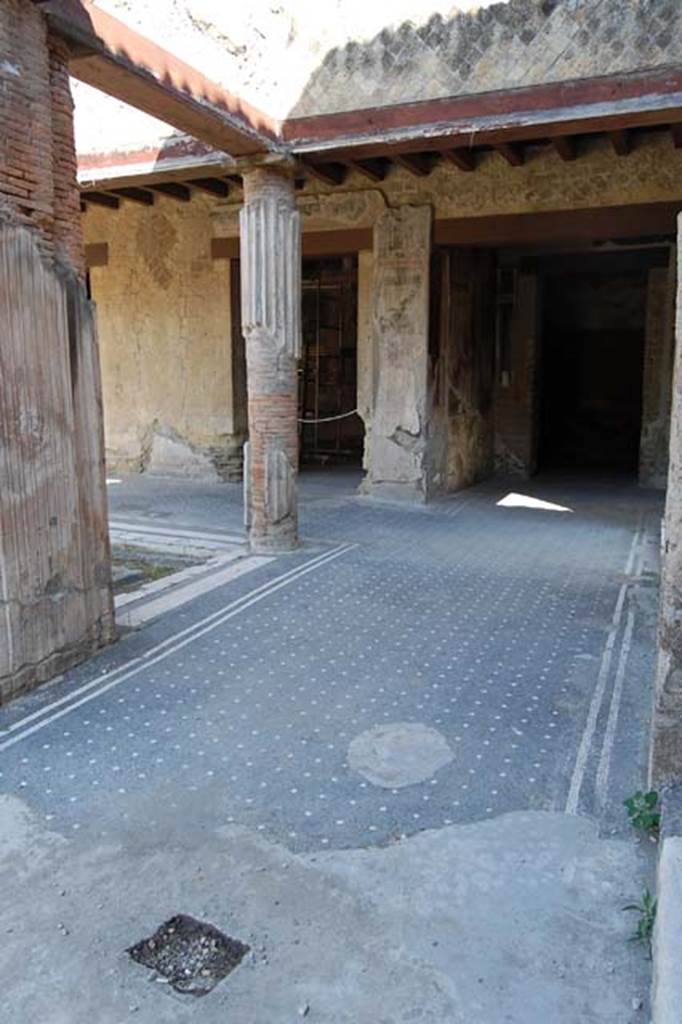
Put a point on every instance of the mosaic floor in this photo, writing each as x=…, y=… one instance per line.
x=488, y=623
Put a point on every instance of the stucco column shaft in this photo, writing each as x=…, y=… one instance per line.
x=397, y=455
x=270, y=233
x=666, y=746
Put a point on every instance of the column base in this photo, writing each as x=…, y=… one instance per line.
x=273, y=544
x=407, y=492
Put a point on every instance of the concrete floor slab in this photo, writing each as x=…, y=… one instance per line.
x=510, y=921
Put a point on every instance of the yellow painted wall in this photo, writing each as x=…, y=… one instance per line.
x=164, y=304
x=163, y=310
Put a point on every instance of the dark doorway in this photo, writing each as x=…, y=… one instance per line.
x=328, y=370
x=593, y=328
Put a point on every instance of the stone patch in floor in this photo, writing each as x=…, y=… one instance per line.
x=132, y=567
x=191, y=955
x=399, y=754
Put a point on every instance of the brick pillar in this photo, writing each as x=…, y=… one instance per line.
x=68, y=235
x=271, y=323
x=56, y=605
x=666, y=746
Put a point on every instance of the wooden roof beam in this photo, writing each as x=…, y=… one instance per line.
x=621, y=141
x=109, y=55
x=566, y=147
x=173, y=189
x=101, y=199
x=136, y=195
x=376, y=170
x=212, y=186
x=419, y=164
x=580, y=107
x=512, y=152
x=464, y=159
x=330, y=174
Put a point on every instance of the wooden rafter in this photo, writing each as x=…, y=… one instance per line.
x=135, y=195
x=213, y=186
x=621, y=142
x=419, y=164
x=566, y=147
x=101, y=199
x=512, y=153
x=375, y=170
x=464, y=159
x=330, y=174
x=173, y=189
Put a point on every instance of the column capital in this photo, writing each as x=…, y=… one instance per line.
x=279, y=163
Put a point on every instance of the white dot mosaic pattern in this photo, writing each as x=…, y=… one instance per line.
x=487, y=626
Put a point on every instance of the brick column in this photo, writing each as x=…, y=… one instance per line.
x=56, y=605
x=271, y=322
x=68, y=235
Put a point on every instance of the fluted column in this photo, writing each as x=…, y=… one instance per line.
x=270, y=234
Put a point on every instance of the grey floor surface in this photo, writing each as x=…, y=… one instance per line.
x=514, y=622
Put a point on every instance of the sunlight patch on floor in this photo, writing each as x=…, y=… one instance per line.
x=514, y=500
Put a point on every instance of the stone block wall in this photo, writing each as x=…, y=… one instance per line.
x=164, y=309
x=55, y=595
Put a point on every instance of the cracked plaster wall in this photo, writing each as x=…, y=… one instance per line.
x=165, y=337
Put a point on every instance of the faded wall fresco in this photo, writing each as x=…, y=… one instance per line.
x=165, y=338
